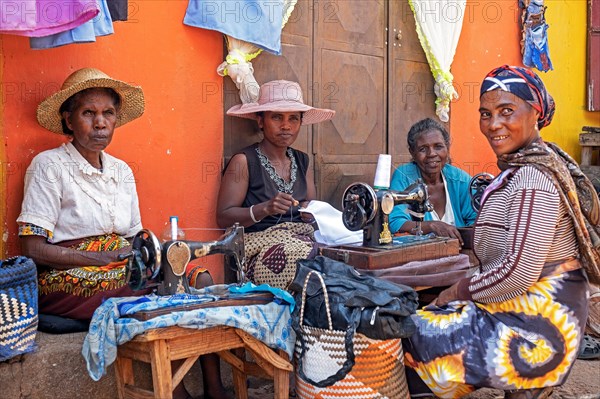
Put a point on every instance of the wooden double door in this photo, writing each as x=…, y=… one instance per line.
x=361, y=58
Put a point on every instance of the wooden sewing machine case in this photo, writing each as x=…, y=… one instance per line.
x=386, y=256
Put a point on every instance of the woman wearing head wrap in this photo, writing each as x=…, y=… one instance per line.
x=517, y=324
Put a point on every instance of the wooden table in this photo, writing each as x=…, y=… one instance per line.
x=589, y=141
x=159, y=347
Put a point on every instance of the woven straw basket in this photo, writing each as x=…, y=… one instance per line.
x=18, y=307
x=378, y=370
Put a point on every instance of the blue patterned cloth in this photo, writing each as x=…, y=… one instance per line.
x=255, y=21
x=269, y=323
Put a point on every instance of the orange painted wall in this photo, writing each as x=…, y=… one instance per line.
x=175, y=148
x=489, y=38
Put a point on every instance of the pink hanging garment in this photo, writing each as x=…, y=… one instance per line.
x=35, y=18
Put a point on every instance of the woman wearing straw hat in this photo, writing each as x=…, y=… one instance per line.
x=265, y=184
x=80, y=205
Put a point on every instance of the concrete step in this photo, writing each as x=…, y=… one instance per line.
x=57, y=370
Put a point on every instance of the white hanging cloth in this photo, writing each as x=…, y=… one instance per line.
x=237, y=63
x=439, y=24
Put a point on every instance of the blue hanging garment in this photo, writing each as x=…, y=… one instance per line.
x=101, y=25
x=536, y=53
x=255, y=21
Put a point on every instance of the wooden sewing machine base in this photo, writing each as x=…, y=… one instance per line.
x=159, y=347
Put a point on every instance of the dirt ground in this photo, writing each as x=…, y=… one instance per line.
x=583, y=383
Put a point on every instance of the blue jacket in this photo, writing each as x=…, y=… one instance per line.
x=457, y=183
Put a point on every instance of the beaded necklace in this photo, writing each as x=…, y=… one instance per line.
x=282, y=185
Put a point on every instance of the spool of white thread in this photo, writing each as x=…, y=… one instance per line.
x=383, y=171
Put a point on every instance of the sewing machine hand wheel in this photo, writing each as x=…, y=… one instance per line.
x=144, y=260
x=360, y=206
x=477, y=186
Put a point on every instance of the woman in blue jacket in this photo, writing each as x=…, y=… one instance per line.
x=447, y=185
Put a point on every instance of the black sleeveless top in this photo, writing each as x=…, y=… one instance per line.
x=262, y=188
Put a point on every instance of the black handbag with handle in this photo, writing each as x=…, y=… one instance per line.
x=378, y=308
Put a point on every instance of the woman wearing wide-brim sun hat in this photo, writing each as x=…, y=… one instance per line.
x=78, y=210
x=80, y=207
x=131, y=98
x=265, y=184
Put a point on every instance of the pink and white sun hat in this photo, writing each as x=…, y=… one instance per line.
x=281, y=96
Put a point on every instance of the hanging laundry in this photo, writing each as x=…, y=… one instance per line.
x=534, y=45
x=101, y=25
x=118, y=9
x=255, y=21
x=35, y=18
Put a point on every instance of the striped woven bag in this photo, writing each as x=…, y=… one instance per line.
x=335, y=364
x=18, y=307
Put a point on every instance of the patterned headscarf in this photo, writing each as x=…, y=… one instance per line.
x=525, y=84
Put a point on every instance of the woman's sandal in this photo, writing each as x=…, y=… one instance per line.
x=536, y=393
x=590, y=348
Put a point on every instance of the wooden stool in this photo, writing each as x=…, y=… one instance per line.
x=161, y=346
x=589, y=141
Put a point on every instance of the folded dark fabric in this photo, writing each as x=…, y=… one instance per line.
x=52, y=324
x=375, y=307
x=118, y=9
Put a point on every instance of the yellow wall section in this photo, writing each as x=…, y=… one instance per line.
x=567, y=83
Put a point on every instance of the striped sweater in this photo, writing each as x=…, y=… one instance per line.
x=520, y=227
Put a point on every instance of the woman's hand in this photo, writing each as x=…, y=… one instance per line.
x=115, y=254
x=442, y=229
x=63, y=258
x=280, y=204
x=448, y=295
x=307, y=217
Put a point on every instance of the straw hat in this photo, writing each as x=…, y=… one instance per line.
x=281, y=96
x=132, y=98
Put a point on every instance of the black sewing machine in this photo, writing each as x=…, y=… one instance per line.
x=152, y=264
x=369, y=209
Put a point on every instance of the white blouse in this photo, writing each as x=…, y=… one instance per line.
x=448, y=212
x=68, y=196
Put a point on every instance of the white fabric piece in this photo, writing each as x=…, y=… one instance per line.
x=331, y=227
x=439, y=23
